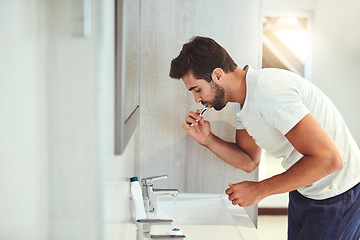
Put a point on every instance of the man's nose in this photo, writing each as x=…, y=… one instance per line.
x=197, y=98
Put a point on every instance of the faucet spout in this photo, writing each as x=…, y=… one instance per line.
x=159, y=192
x=150, y=193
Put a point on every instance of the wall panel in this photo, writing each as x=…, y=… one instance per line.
x=165, y=147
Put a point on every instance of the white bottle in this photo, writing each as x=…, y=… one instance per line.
x=137, y=198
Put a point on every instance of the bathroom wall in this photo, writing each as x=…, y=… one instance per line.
x=336, y=57
x=89, y=197
x=23, y=122
x=59, y=177
x=74, y=186
x=117, y=208
x=165, y=148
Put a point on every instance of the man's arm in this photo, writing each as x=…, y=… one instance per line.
x=244, y=154
x=320, y=159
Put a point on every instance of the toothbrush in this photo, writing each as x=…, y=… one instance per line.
x=202, y=112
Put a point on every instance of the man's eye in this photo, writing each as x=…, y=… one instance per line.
x=198, y=90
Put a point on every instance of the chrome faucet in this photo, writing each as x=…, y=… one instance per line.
x=150, y=193
x=143, y=231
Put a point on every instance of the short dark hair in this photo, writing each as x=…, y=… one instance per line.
x=201, y=55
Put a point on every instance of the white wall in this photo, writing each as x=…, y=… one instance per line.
x=23, y=146
x=117, y=168
x=90, y=185
x=59, y=177
x=74, y=186
x=117, y=192
x=336, y=57
x=289, y=5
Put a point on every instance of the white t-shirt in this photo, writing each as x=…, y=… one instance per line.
x=276, y=100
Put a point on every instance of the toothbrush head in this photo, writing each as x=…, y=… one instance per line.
x=202, y=112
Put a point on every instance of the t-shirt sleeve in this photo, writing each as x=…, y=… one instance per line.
x=236, y=110
x=282, y=105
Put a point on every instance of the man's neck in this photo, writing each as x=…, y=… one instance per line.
x=237, y=88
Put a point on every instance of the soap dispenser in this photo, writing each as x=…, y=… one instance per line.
x=137, y=198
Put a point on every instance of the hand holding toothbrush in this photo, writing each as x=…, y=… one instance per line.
x=200, y=115
x=197, y=127
x=194, y=118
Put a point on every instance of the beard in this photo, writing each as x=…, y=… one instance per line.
x=218, y=102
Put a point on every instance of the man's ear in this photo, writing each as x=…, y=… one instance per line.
x=217, y=74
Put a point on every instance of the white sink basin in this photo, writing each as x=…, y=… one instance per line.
x=194, y=209
x=205, y=216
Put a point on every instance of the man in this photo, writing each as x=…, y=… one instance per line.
x=289, y=117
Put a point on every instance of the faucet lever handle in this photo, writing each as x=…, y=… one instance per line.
x=149, y=180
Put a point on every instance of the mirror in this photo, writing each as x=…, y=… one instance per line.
x=127, y=100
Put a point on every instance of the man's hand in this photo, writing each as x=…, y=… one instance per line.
x=200, y=129
x=245, y=193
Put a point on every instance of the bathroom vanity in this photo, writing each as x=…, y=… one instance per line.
x=202, y=216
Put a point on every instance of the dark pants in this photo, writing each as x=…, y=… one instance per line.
x=336, y=218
